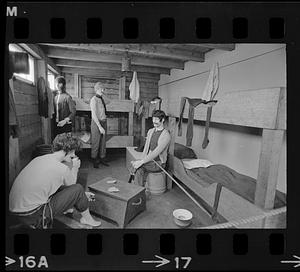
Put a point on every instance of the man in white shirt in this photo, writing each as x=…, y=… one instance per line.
x=98, y=125
x=46, y=187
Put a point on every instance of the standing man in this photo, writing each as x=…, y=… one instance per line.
x=46, y=187
x=156, y=148
x=98, y=126
x=64, y=108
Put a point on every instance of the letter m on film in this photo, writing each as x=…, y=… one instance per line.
x=11, y=11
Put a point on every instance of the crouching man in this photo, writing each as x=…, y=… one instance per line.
x=156, y=148
x=46, y=187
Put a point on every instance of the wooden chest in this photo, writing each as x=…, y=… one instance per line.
x=120, y=207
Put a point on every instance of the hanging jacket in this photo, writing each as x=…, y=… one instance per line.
x=42, y=97
x=64, y=106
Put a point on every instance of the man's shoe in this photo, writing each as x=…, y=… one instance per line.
x=95, y=163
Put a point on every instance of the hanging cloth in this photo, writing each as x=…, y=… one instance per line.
x=50, y=102
x=14, y=129
x=209, y=94
x=134, y=88
x=42, y=97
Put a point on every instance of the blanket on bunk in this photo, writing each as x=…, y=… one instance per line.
x=238, y=183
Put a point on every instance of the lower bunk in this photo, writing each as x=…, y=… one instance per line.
x=227, y=193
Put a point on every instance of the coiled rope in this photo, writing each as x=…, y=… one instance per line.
x=251, y=219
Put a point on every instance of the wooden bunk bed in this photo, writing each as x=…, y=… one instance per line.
x=116, y=106
x=265, y=109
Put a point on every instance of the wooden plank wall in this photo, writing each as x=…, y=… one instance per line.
x=26, y=99
x=148, y=87
x=148, y=90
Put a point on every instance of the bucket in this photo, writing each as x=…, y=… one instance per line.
x=156, y=183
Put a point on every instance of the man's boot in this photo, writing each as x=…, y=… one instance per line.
x=103, y=161
x=95, y=163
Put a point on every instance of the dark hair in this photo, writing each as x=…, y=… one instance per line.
x=156, y=98
x=61, y=79
x=66, y=142
x=160, y=114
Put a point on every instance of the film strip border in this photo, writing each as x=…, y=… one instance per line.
x=138, y=249
x=151, y=22
x=156, y=22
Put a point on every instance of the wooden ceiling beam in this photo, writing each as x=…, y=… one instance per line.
x=104, y=73
x=56, y=52
x=108, y=66
x=221, y=46
x=146, y=50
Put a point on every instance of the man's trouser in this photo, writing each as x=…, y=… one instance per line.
x=98, y=140
x=194, y=102
x=66, y=197
x=142, y=172
x=65, y=129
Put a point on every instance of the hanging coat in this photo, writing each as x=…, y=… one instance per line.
x=209, y=94
x=212, y=83
x=42, y=97
x=134, y=88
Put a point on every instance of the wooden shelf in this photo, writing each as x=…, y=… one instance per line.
x=114, y=106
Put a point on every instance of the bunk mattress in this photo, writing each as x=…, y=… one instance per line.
x=238, y=183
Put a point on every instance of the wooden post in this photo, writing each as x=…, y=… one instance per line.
x=130, y=123
x=268, y=168
x=76, y=85
x=14, y=160
x=79, y=87
x=143, y=132
x=46, y=124
x=172, y=128
x=122, y=86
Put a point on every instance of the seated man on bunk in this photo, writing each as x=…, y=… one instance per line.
x=155, y=151
x=47, y=187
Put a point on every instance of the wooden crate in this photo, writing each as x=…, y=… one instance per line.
x=120, y=207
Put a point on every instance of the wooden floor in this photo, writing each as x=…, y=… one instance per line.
x=159, y=209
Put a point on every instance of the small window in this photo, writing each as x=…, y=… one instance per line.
x=26, y=77
x=51, y=80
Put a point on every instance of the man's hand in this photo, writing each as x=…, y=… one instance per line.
x=76, y=162
x=137, y=164
x=90, y=196
x=102, y=131
x=61, y=123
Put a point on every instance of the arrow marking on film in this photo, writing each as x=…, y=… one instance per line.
x=160, y=262
x=296, y=262
x=9, y=261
